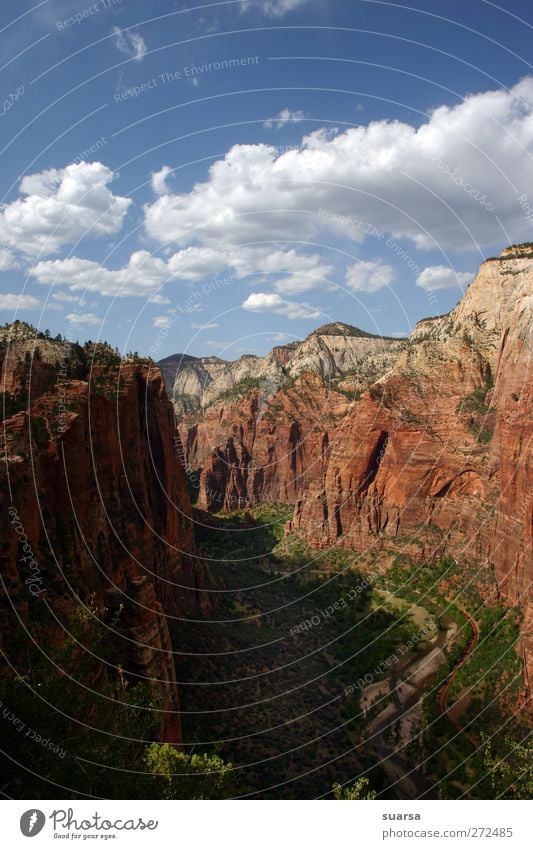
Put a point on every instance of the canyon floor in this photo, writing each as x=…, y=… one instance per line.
x=311, y=673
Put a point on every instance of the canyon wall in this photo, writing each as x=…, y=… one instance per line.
x=432, y=457
x=94, y=505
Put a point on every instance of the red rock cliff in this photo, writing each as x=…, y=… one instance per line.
x=90, y=467
x=445, y=440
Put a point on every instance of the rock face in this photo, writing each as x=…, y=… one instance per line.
x=444, y=440
x=437, y=449
x=263, y=447
x=95, y=499
x=330, y=351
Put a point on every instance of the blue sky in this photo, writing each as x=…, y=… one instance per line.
x=219, y=179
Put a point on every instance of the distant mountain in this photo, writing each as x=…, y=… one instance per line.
x=330, y=351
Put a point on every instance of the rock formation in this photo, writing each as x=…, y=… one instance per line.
x=330, y=351
x=436, y=450
x=94, y=502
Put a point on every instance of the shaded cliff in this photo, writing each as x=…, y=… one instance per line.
x=95, y=511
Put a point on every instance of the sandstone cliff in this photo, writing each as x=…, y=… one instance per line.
x=443, y=441
x=95, y=508
x=433, y=457
x=330, y=352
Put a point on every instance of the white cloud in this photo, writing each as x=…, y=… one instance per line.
x=285, y=116
x=130, y=43
x=159, y=180
x=83, y=318
x=158, y=299
x=435, y=184
x=369, y=276
x=210, y=326
x=145, y=273
x=273, y=8
x=441, y=277
x=271, y=302
x=8, y=301
x=162, y=321
x=142, y=276
x=60, y=207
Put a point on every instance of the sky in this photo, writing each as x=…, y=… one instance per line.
x=218, y=178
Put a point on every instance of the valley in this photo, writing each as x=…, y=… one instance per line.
x=312, y=673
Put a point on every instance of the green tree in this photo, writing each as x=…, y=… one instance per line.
x=181, y=776
x=510, y=771
x=360, y=789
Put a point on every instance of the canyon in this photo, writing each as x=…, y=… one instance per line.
x=419, y=447
x=209, y=527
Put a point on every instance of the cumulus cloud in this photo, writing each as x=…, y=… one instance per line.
x=60, y=206
x=159, y=180
x=272, y=302
x=145, y=274
x=83, y=318
x=441, y=277
x=285, y=116
x=130, y=43
x=8, y=301
x=435, y=184
x=158, y=299
x=142, y=276
x=369, y=276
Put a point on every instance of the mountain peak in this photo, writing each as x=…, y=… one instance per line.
x=339, y=328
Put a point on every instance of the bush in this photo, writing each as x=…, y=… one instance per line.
x=180, y=776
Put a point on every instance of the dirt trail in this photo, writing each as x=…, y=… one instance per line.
x=407, y=685
x=442, y=698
